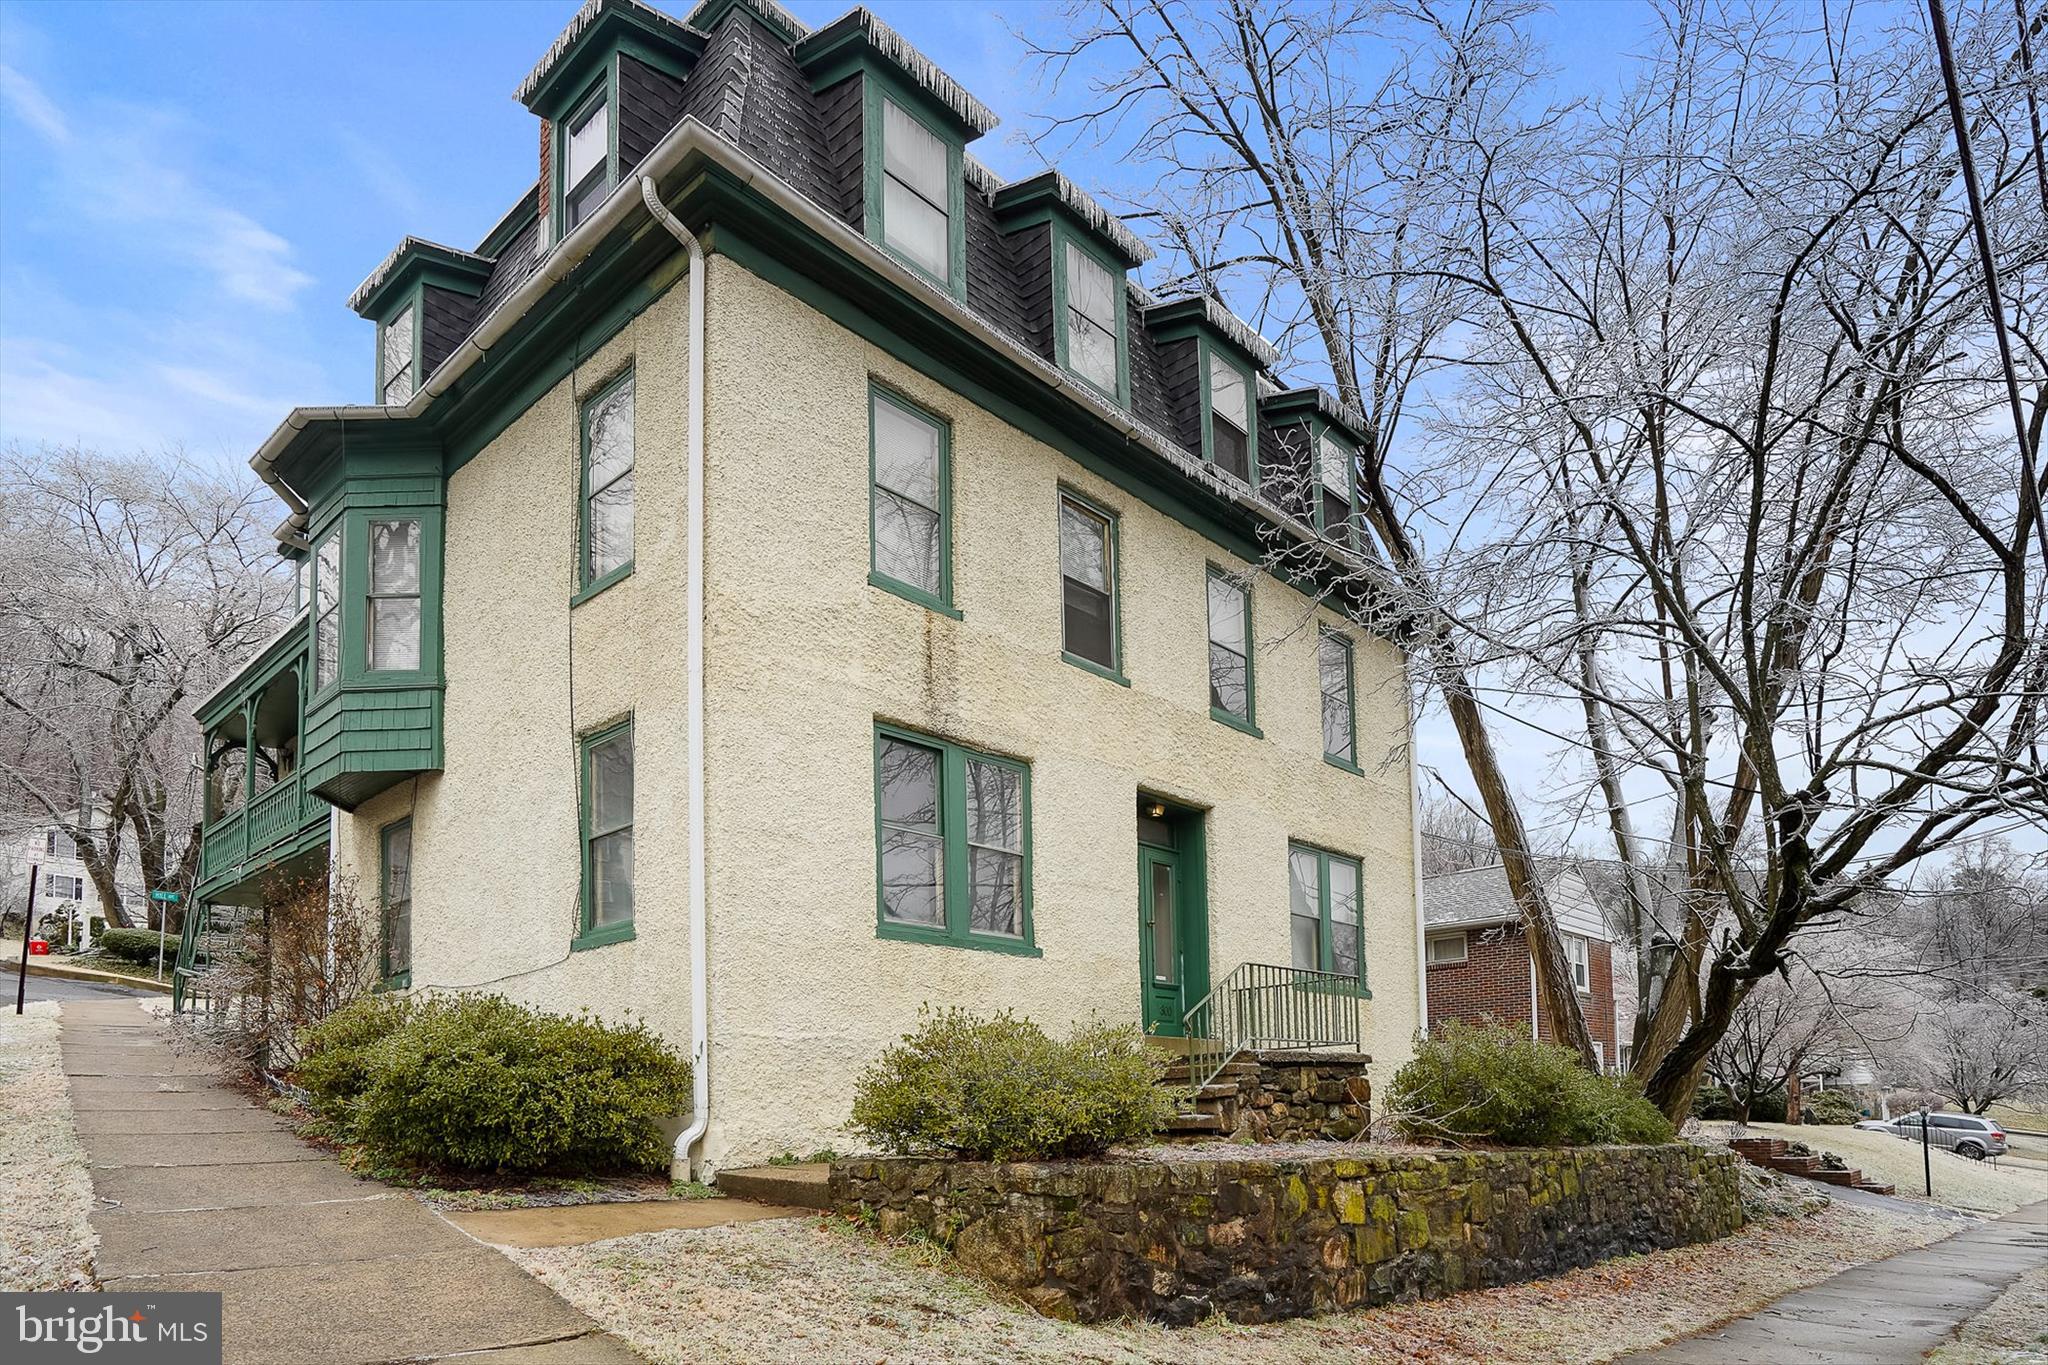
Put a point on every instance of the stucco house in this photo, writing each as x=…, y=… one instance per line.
x=1479, y=963
x=786, y=576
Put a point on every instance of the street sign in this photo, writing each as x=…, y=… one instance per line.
x=164, y=896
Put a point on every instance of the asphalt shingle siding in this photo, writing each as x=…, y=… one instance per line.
x=513, y=265
x=650, y=103
x=996, y=265
x=840, y=118
x=446, y=317
x=1031, y=285
x=1181, y=385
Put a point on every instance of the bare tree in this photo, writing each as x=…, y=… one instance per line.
x=1322, y=188
x=128, y=589
x=1982, y=1051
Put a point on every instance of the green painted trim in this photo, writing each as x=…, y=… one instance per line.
x=616, y=29
x=880, y=85
x=586, y=587
x=386, y=979
x=1350, y=696
x=1114, y=670
x=943, y=600
x=604, y=88
x=1064, y=233
x=397, y=981
x=1249, y=721
x=415, y=299
x=955, y=933
x=589, y=935
x=1228, y=355
x=1325, y=949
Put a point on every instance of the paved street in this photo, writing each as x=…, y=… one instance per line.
x=58, y=988
x=1889, y=1312
x=200, y=1189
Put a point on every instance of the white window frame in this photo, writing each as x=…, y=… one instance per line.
x=1578, y=950
x=1458, y=938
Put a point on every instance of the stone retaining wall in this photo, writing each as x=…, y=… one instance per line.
x=1305, y=1097
x=1178, y=1239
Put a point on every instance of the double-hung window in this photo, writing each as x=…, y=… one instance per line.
x=1324, y=913
x=951, y=844
x=607, y=836
x=1579, y=952
x=910, y=505
x=1334, y=675
x=396, y=881
x=916, y=192
x=586, y=160
x=394, y=614
x=397, y=365
x=1090, y=319
x=1088, y=624
x=608, y=484
x=327, y=611
x=1230, y=650
x=1333, y=477
x=1230, y=417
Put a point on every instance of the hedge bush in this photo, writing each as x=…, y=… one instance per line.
x=998, y=1088
x=1712, y=1102
x=1499, y=1085
x=477, y=1083
x=134, y=945
x=1829, y=1106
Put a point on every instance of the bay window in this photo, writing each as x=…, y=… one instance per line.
x=394, y=598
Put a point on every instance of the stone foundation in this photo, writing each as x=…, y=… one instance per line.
x=1306, y=1097
x=1178, y=1239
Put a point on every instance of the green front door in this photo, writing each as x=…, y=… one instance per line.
x=1160, y=954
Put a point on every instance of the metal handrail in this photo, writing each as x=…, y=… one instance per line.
x=1263, y=1006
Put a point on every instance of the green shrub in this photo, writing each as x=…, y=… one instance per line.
x=337, y=1055
x=1829, y=1106
x=477, y=1083
x=134, y=945
x=998, y=1088
x=1499, y=1085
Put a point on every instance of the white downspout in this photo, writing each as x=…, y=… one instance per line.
x=1415, y=873
x=693, y=668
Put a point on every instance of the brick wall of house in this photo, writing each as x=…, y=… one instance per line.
x=1493, y=982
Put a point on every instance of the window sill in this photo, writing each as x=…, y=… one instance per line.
x=1099, y=670
x=601, y=936
x=597, y=586
x=397, y=981
x=939, y=938
x=1346, y=764
x=1236, y=722
x=877, y=579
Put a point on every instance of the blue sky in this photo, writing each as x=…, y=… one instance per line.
x=188, y=192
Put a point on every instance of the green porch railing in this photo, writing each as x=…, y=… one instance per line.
x=274, y=815
x=1263, y=1006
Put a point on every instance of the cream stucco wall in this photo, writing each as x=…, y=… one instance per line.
x=802, y=658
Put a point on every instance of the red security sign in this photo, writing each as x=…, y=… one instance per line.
x=39, y=947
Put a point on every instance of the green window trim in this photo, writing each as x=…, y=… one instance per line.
x=1062, y=237
x=1205, y=349
x=588, y=933
x=1324, y=858
x=1249, y=721
x=350, y=534
x=388, y=980
x=942, y=600
x=876, y=87
x=587, y=585
x=1319, y=432
x=953, y=833
x=1325, y=637
x=606, y=89
x=413, y=301
x=1114, y=670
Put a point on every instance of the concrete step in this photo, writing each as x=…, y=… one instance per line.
x=1193, y=1123
x=1876, y=1186
x=1178, y=1073
x=803, y=1186
x=1826, y=1176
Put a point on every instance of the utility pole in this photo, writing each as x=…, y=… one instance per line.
x=28, y=928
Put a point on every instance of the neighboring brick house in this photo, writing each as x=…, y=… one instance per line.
x=1478, y=954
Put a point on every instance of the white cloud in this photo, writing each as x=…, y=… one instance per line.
x=27, y=99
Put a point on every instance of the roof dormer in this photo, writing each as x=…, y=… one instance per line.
x=1212, y=361
x=585, y=90
x=1313, y=475
x=908, y=163
x=423, y=299
x=1084, y=252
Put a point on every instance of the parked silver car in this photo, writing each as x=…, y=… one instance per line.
x=1964, y=1134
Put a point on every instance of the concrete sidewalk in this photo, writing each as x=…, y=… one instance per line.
x=1889, y=1312
x=198, y=1188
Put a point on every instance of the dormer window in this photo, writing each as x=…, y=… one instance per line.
x=398, y=358
x=1334, y=462
x=586, y=159
x=1091, y=338
x=916, y=192
x=1230, y=420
